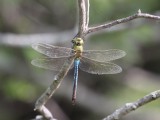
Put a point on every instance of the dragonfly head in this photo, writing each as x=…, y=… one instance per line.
x=77, y=44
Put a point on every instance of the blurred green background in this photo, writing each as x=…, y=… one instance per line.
x=21, y=83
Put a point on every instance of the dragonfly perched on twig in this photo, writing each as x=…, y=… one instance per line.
x=91, y=61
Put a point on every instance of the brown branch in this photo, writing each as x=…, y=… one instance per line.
x=82, y=31
x=119, y=113
x=87, y=13
x=39, y=106
x=139, y=14
x=82, y=18
x=52, y=88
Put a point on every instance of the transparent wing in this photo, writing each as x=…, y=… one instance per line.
x=96, y=67
x=104, y=55
x=50, y=63
x=52, y=51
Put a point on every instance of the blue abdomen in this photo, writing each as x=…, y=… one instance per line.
x=76, y=65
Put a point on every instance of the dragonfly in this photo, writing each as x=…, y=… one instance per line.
x=91, y=61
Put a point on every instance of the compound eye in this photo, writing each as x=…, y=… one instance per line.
x=73, y=41
x=78, y=44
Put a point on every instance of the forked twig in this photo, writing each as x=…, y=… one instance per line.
x=84, y=30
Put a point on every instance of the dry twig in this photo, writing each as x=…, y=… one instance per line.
x=39, y=106
x=82, y=32
x=139, y=14
x=119, y=113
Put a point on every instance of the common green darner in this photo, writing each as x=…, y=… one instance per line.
x=91, y=61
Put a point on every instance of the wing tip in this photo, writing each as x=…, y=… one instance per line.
x=119, y=70
x=123, y=53
x=33, y=62
x=37, y=63
x=35, y=45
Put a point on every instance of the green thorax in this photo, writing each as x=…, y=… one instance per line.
x=77, y=46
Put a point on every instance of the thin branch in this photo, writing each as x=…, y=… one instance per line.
x=87, y=13
x=64, y=70
x=139, y=14
x=82, y=18
x=52, y=88
x=83, y=30
x=119, y=113
x=46, y=113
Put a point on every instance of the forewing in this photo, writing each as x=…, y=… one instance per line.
x=50, y=63
x=104, y=55
x=52, y=51
x=96, y=67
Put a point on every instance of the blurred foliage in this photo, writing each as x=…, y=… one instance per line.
x=19, y=89
x=21, y=83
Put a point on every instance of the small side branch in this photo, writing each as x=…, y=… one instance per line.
x=139, y=14
x=119, y=113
